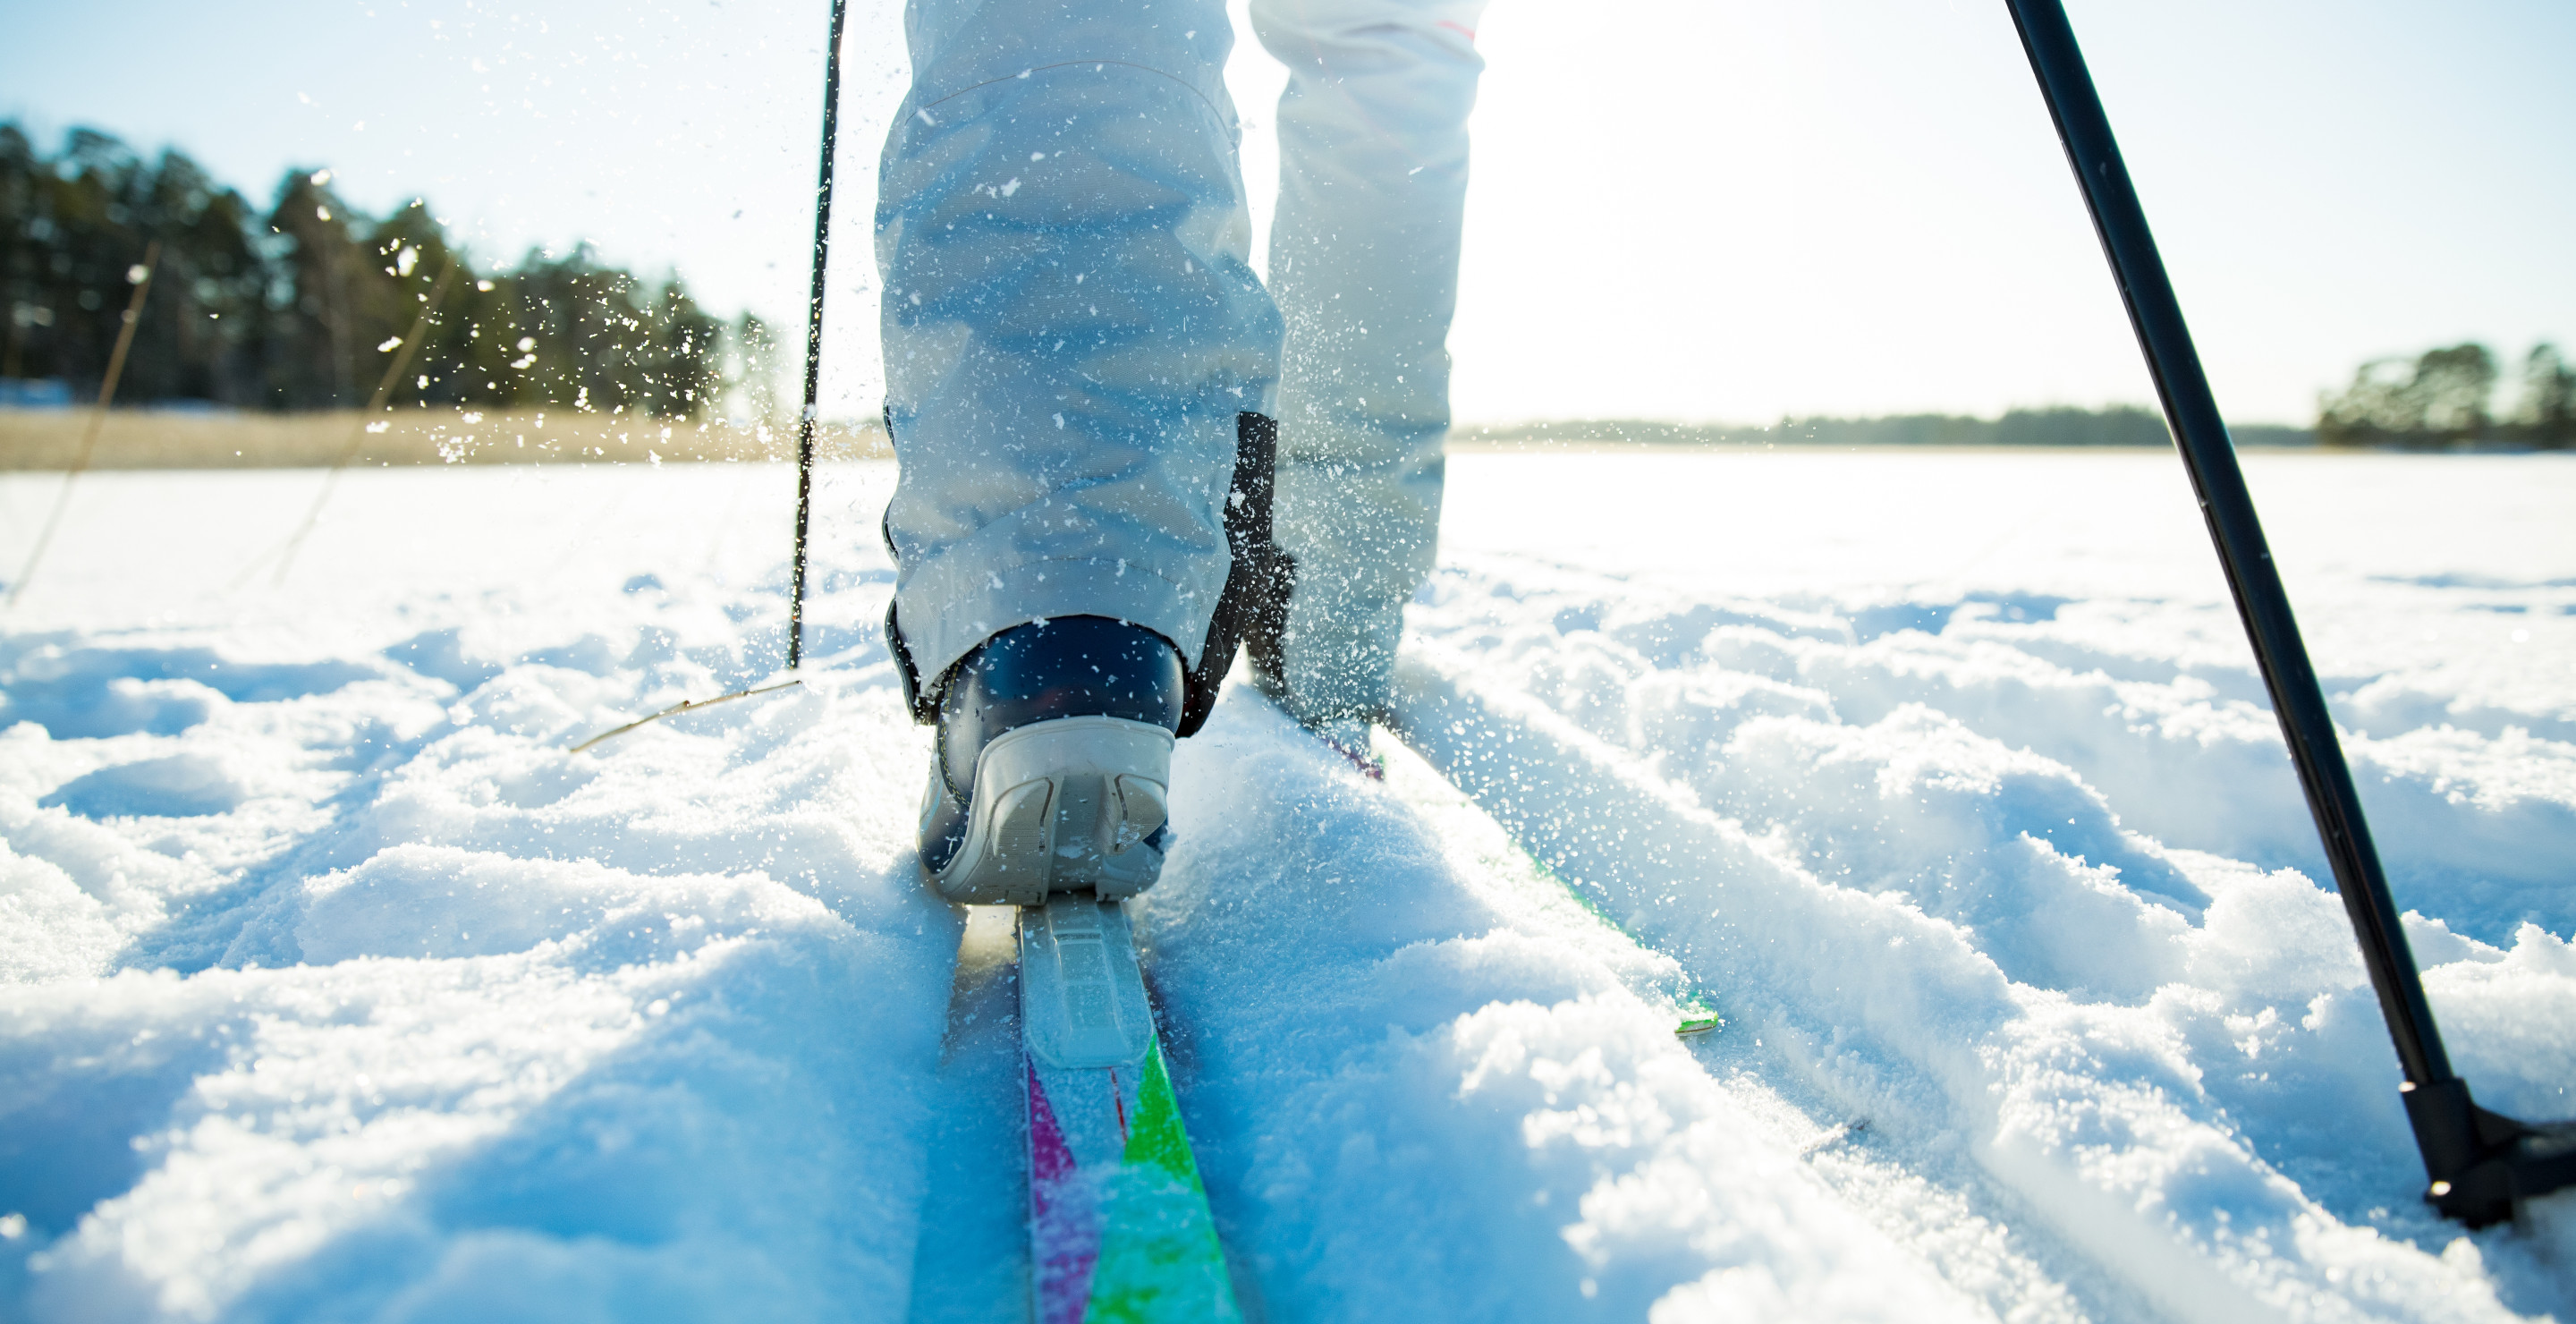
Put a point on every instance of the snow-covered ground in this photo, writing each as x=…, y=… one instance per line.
x=333, y=988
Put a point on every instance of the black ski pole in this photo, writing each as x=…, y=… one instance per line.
x=814, y=335
x=2478, y=1163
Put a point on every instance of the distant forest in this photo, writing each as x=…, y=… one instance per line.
x=2443, y=398
x=2119, y=425
x=298, y=306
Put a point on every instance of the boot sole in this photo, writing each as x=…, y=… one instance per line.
x=1063, y=806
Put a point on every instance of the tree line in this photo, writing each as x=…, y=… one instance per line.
x=302, y=304
x=2057, y=425
x=2443, y=398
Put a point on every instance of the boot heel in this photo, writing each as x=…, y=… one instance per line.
x=1067, y=805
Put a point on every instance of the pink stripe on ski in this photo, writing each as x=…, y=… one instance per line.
x=1065, y=1226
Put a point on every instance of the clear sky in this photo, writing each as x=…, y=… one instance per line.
x=1693, y=209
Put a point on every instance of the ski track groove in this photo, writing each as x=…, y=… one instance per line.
x=1968, y=1231
x=1544, y=777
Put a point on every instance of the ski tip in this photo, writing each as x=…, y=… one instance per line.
x=1697, y=1025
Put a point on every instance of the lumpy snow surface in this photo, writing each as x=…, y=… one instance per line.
x=334, y=987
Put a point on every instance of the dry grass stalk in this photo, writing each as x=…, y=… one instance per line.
x=375, y=405
x=97, y=417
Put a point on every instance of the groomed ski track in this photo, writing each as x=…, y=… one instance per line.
x=337, y=990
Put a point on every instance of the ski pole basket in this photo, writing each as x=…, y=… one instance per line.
x=2478, y=1164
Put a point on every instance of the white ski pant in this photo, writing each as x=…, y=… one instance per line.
x=1072, y=322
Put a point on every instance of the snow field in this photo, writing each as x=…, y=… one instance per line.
x=372, y=1003
x=334, y=988
x=2154, y=1043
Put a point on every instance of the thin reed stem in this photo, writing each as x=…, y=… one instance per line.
x=375, y=405
x=683, y=706
x=97, y=420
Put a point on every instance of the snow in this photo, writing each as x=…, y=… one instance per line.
x=335, y=988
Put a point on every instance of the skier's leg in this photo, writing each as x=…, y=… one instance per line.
x=1364, y=265
x=1073, y=333
x=1071, y=321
